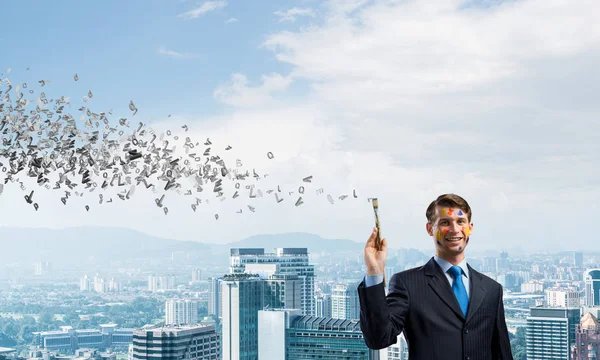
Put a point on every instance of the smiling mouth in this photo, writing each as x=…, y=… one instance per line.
x=454, y=239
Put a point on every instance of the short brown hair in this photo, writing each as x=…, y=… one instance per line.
x=448, y=200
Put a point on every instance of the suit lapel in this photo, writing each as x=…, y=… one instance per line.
x=439, y=283
x=476, y=294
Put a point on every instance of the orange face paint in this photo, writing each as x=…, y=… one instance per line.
x=450, y=211
x=467, y=231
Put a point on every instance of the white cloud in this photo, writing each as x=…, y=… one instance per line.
x=290, y=15
x=428, y=97
x=174, y=54
x=231, y=20
x=237, y=92
x=206, y=7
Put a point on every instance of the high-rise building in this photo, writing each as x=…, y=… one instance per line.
x=84, y=283
x=389, y=272
x=562, y=297
x=323, y=305
x=397, y=351
x=181, y=312
x=508, y=281
x=345, y=303
x=532, y=286
x=587, y=339
x=502, y=262
x=488, y=264
x=285, y=291
x=190, y=342
x=287, y=334
x=99, y=284
x=214, y=297
x=292, y=261
x=162, y=282
x=196, y=275
x=243, y=295
x=42, y=267
x=115, y=286
x=578, y=259
x=592, y=287
x=551, y=332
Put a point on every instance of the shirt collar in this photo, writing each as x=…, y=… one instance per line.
x=446, y=265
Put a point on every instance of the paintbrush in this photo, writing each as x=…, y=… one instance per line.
x=375, y=204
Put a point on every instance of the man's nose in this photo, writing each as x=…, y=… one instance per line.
x=454, y=227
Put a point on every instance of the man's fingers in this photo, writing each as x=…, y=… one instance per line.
x=372, y=238
x=383, y=243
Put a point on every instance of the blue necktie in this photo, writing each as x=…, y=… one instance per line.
x=459, y=288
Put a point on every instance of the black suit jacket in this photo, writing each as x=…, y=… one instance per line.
x=421, y=303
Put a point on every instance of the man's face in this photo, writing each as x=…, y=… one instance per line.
x=450, y=230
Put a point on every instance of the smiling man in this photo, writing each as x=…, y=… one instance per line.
x=446, y=309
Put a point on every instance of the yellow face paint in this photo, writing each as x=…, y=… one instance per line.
x=443, y=212
x=467, y=231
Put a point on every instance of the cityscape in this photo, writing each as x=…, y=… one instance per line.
x=272, y=303
x=197, y=180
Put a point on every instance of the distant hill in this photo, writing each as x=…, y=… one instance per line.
x=72, y=245
x=313, y=242
x=77, y=245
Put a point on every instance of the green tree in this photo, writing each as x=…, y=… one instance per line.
x=518, y=344
x=46, y=318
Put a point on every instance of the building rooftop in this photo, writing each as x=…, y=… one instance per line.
x=310, y=322
x=589, y=322
x=5, y=350
x=243, y=276
x=173, y=329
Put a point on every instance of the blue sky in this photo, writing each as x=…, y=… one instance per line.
x=400, y=100
x=114, y=47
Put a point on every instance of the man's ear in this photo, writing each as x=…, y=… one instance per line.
x=429, y=228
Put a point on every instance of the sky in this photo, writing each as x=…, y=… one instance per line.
x=400, y=100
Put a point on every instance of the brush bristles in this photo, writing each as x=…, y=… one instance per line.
x=375, y=203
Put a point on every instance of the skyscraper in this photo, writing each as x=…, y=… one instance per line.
x=284, y=261
x=397, y=351
x=196, y=275
x=578, y=258
x=284, y=291
x=162, y=282
x=84, y=283
x=323, y=305
x=502, y=262
x=214, y=297
x=181, y=312
x=344, y=302
x=592, y=287
x=587, y=341
x=562, y=297
x=551, y=332
x=243, y=295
